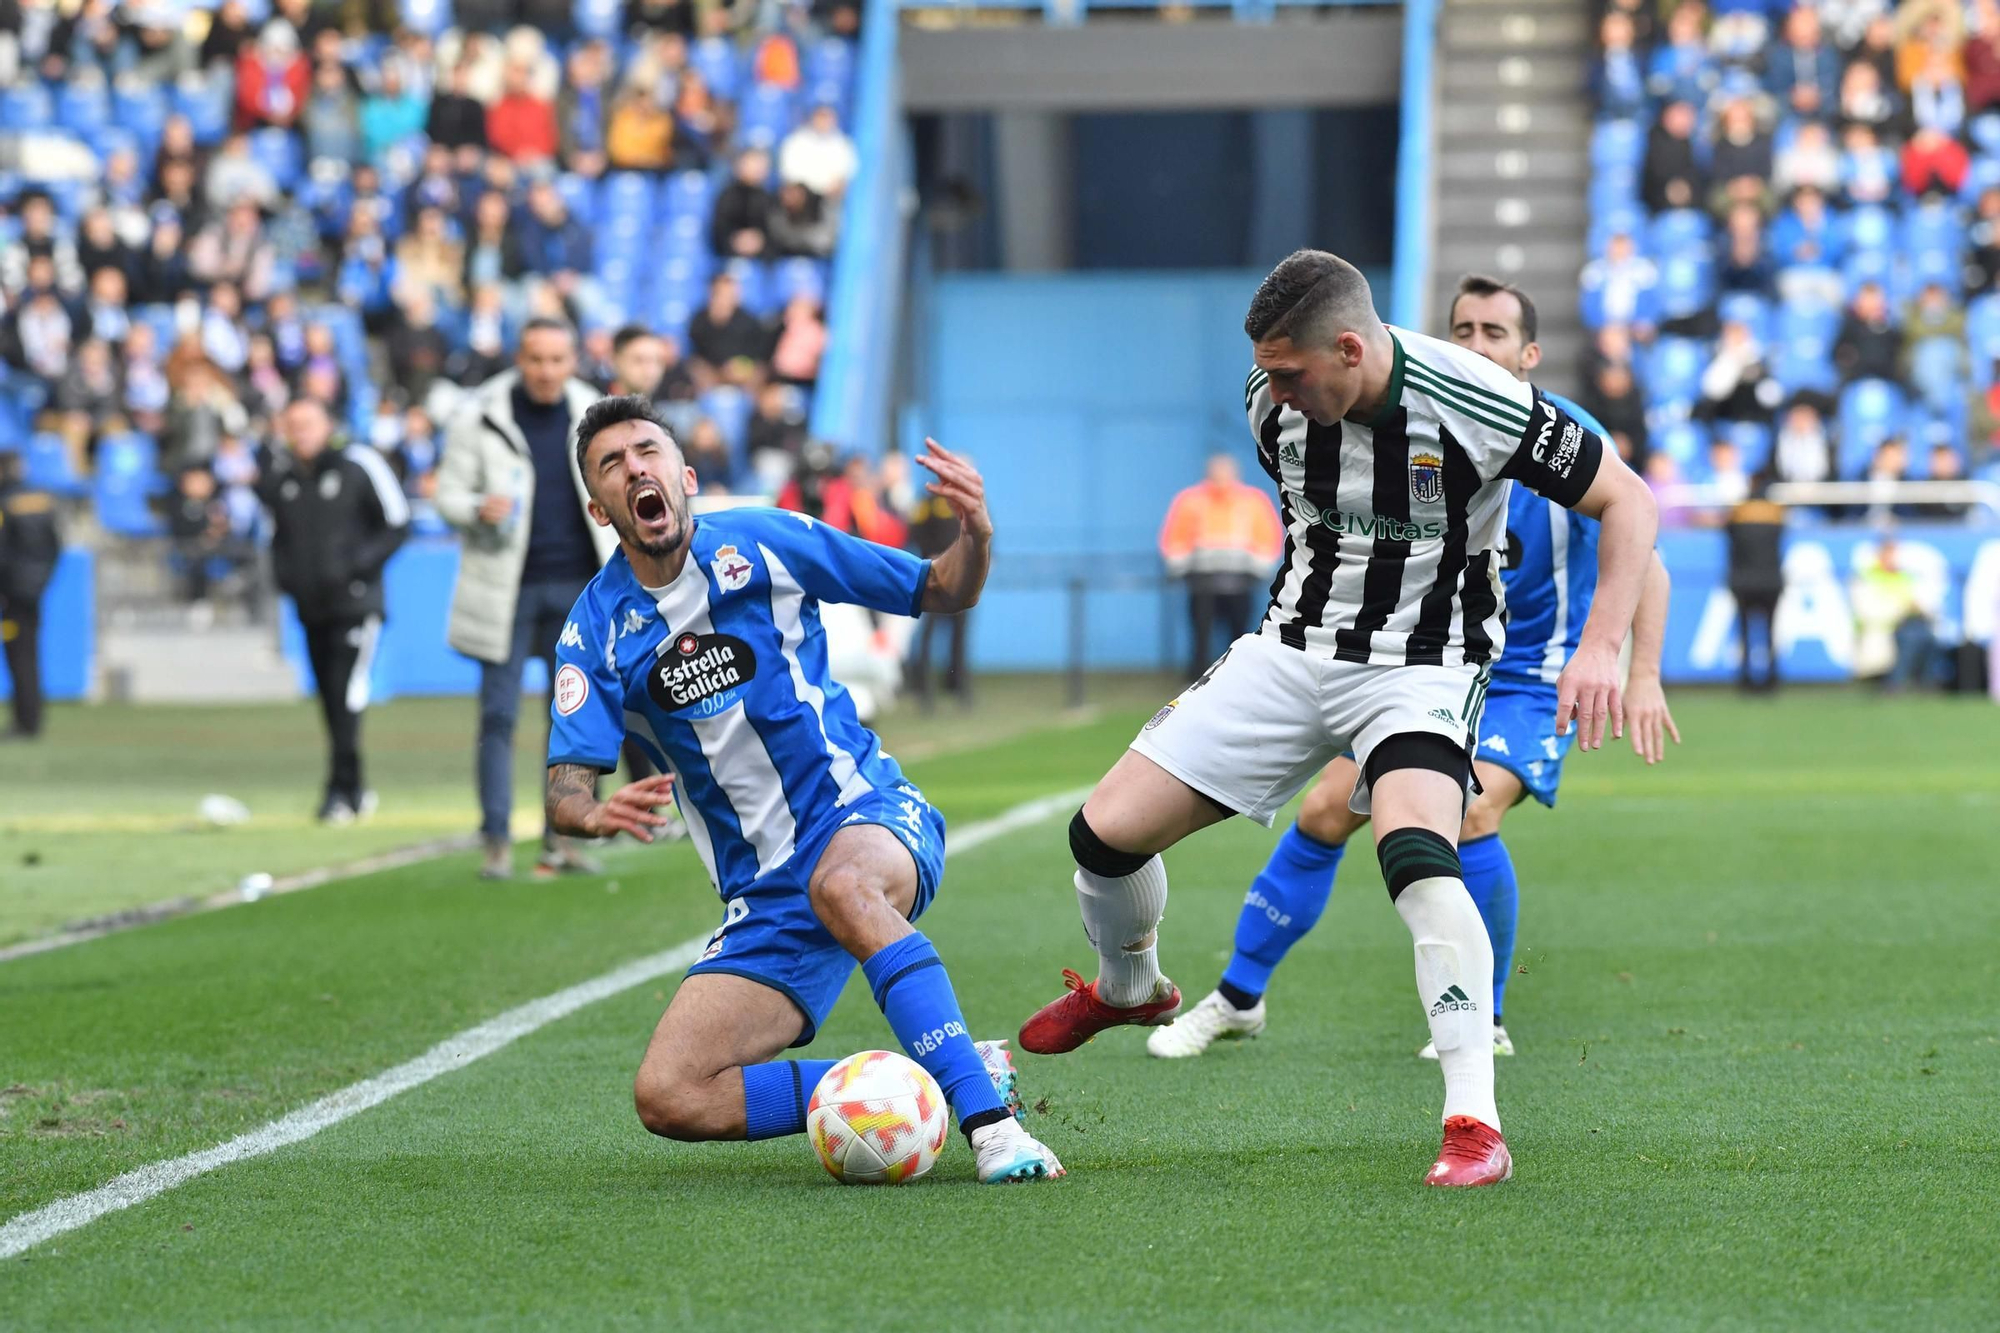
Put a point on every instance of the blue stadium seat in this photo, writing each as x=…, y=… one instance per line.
x=1877, y=266
x=280, y=153
x=126, y=480
x=765, y=115
x=717, y=60
x=428, y=17
x=684, y=233
x=579, y=195
x=687, y=273
x=1870, y=412
x=1802, y=349
x=759, y=292
x=830, y=59
x=800, y=277
x=1615, y=190
x=1676, y=230
x=1753, y=443
x=1617, y=143
x=687, y=194
x=1868, y=227
x=1683, y=441
x=1748, y=308
x=729, y=407
x=1982, y=336
x=46, y=466
x=1933, y=264
x=349, y=340
x=1933, y=226
x=1674, y=376
x=142, y=108
x=1627, y=220
x=27, y=106
x=1984, y=174
x=83, y=106
x=1937, y=372
x=207, y=105
x=1686, y=285
x=597, y=18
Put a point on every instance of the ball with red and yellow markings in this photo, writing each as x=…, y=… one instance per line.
x=877, y=1118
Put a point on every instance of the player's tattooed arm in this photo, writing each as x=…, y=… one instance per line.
x=573, y=807
x=959, y=574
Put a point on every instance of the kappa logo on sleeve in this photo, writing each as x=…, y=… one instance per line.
x=571, y=688
x=571, y=637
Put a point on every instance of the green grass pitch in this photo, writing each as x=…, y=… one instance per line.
x=1756, y=1008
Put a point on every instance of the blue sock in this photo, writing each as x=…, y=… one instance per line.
x=1284, y=902
x=915, y=995
x=775, y=1096
x=1489, y=878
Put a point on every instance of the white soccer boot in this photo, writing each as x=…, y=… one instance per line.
x=1008, y=1154
x=1214, y=1019
x=1502, y=1044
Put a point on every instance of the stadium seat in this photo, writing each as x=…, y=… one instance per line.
x=579, y=195
x=1932, y=225
x=1748, y=308
x=1985, y=174
x=1617, y=143
x=1752, y=440
x=830, y=59
x=142, y=109
x=759, y=293
x=687, y=194
x=729, y=407
x=207, y=105
x=1683, y=441
x=46, y=466
x=426, y=17
x=27, y=106
x=126, y=480
x=596, y=18
x=1686, y=285
x=1982, y=336
x=83, y=106
x=1802, y=349
x=1868, y=227
x=1627, y=220
x=717, y=60
x=800, y=277
x=1676, y=231
x=765, y=116
x=1870, y=412
x=280, y=153
x=1936, y=372
x=1674, y=375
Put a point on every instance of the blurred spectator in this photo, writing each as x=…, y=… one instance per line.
x=87, y=399
x=776, y=437
x=265, y=389
x=640, y=135
x=1746, y=266
x=872, y=513
x=233, y=174
x=1982, y=63
x=484, y=353
x=1933, y=160
x=331, y=119
x=271, y=79
x=1983, y=430
x=146, y=391
x=583, y=109
x=1802, y=451
x=493, y=252
x=817, y=488
x=1613, y=397
x=1887, y=467
x=698, y=122
x=1895, y=638
x=1849, y=20
x=200, y=412
x=801, y=343
x=322, y=364
x=417, y=347
x=38, y=334
x=1727, y=476
x=1934, y=315
x=818, y=155
x=229, y=34
x=1869, y=345
x=1738, y=384
x=521, y=125
x=1802, y=72
x=99, y=246
x=775, y=61
x=1740, y=162
x=1681, y=69
x=743, y=209
x=1672, y=177
x=1756, y=531
x=39, y=239
x=660, y=16
x=1618, y=289
x=1223, y=537
x=1946, y=464
x=1867, y=99
x=233, y=249
x=392, y=114
x=107, y=312
x=223, y=337
x=1804, y=234
x=555, y=244
x=1937, y=93
x=802, y=224
x=198, y=527
x=723, y=332
x=30, y=547
x=1868, y=170
x=1811, y=160
x=430, y=259
x=1982, y=271
x=456, y=119
x=1928, y=29
x=417, y=452
x=1618, y=80
x=708, y=454
x=508, y=483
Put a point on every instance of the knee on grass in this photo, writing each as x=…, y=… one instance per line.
x=690, y=1108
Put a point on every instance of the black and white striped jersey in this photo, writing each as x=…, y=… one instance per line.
x=1394, y=528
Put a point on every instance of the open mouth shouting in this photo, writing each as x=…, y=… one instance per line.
x=650, y=510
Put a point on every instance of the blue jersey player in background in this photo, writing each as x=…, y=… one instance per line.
x=700, y=640
x=1550, y=576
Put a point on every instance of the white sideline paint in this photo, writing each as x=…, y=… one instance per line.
x=455, y=1052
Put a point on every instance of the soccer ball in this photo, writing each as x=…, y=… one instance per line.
x=877, y=1119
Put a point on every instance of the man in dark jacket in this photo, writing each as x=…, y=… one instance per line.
x=337, y=515
x=30, y=543
x=1756, y=531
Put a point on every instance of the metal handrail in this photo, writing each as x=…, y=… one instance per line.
x=1847, y=494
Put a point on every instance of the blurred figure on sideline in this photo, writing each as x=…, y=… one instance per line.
x=1756, y=531
x=30, y=545
x=1223, y=537
x=1897, y=637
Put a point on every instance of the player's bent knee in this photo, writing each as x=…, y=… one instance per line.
x=1099, y=857
x=1481, y=821
x=1325, y=817
x=676, y=1106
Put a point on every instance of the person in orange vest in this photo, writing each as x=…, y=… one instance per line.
x=1223, y=537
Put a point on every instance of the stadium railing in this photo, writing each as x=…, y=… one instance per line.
x=1069, y=12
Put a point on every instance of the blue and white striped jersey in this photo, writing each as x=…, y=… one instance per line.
x=721, y=678
x=1550, y=577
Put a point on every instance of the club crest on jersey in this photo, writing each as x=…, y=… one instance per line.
x=1426, y=478
x=700, y=675
x=732, y=571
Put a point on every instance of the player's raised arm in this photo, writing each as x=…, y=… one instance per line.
x=1588, y=691
x=957, y=576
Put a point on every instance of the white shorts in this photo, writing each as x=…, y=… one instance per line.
x=1253, y=730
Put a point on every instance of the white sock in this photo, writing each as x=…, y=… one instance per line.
x=1455, y=985
x=1117, y=914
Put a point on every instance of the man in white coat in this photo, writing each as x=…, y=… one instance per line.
x=508, y=483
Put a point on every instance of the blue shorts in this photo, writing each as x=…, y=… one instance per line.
x=769, y=933
x=1517, y=731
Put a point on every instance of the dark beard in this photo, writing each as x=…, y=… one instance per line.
x=628, y=531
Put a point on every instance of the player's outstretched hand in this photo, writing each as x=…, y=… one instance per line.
x=1587, y=693
x=960, y=484
x=632, y=809
x=1646, y=709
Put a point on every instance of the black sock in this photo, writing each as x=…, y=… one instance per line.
x=1238, y=997
x=981, y=1119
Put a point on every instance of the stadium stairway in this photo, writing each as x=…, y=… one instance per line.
x=151, y=648
x=1512, y=161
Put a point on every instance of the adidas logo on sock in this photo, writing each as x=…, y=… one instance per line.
x=1451, y=1002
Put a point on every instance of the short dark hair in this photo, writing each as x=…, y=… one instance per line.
x=1478, y=284
x=547, y=324
x=606, y=412
x=628, y=335
x=1306, y=292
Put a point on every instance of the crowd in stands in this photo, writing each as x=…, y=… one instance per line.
x=1794, y=266
x=205, y=213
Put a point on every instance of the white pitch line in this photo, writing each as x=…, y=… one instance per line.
x=455, y=1052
